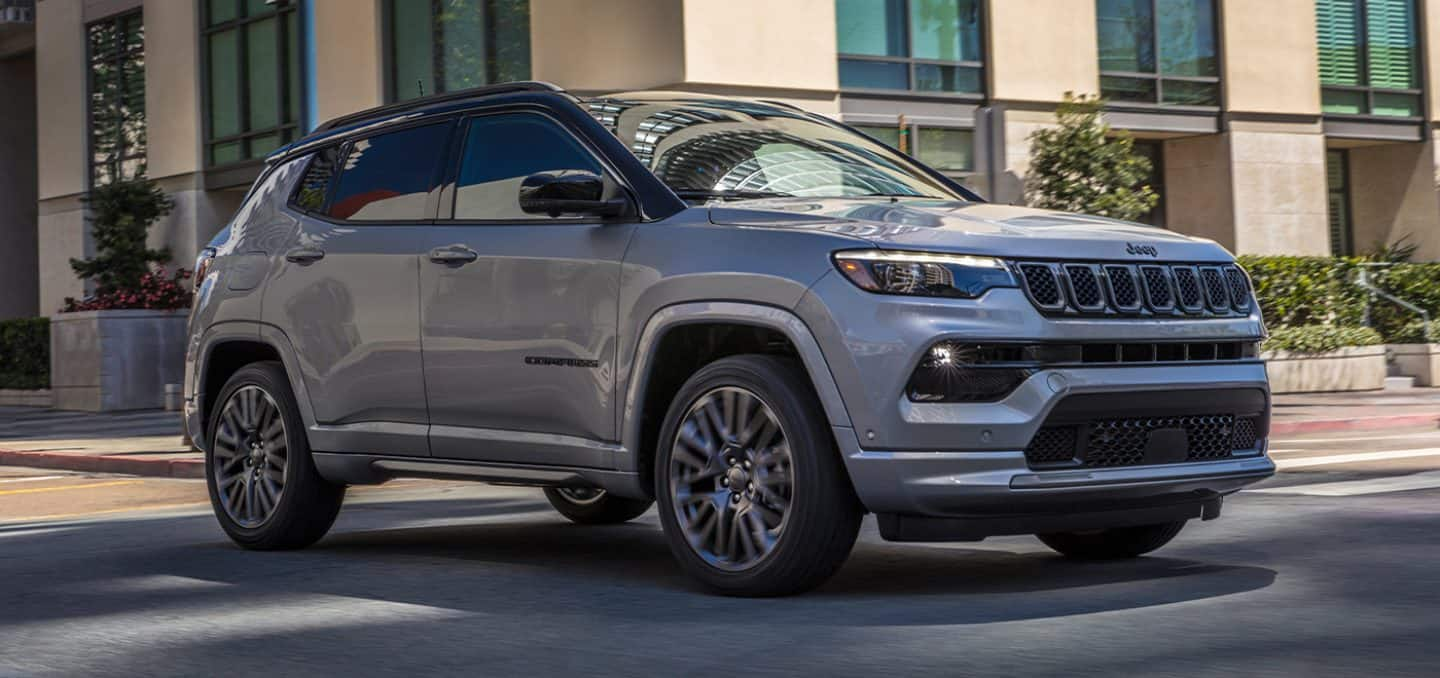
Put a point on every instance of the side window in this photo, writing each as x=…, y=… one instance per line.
x=500, y=151
x=388, y=177
x=310, y=195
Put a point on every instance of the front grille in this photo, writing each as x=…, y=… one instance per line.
x=1126, y=290
x=1110, y=443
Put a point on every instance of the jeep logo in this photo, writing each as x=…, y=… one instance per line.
x=1147, y=250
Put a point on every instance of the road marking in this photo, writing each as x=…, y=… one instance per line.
x=1350, y=488
x=1303, y=462
x=86, y=486
x=76, y=516
x=1363, y=438
x=31, y=479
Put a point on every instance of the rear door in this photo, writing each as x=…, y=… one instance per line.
x=518, y=310
x=347, y=294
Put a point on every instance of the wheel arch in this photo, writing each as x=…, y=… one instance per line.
x=650, y=388
x=228, y=347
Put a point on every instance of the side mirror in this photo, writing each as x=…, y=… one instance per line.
x=572, y=193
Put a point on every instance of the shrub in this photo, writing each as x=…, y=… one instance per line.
x=1320, y=338
x=1297, y=291
x=25, y=353
x=1080, y=166
x=156, y=290
x=1414, y=333
x=121, y=214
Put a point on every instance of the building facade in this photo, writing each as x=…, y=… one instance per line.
x=1283, y=126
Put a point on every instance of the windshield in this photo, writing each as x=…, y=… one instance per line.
x=718, y=148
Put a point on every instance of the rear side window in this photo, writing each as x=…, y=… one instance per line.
x=500, y=151
x=388, y=177
x=314, y=186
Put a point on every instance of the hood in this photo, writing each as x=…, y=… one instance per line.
x=973, y=228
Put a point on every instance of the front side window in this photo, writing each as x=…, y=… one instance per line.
x=918, y=45
x=388, y=177
x=708, y=149
x=500, y=151
x=1158, y=52
x=1368, y=57
x=448, y=45
x=251, y=51
x=117, y=98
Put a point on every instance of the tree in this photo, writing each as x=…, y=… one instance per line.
x=121, y=214
x=1081, y=166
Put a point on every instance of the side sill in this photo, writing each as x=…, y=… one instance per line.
x=369, y=469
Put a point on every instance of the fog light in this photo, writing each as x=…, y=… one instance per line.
x=960, y=373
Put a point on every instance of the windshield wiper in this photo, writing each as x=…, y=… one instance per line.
x=703, y=193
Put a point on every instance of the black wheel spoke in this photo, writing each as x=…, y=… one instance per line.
x=250, y=457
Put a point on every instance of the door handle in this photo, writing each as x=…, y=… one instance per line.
x=453, y=256
x=304, y=255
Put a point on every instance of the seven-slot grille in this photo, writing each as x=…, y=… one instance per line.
x=1164, y=290
x=1105, y=443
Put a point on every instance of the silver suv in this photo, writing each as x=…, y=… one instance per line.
x=763, y=320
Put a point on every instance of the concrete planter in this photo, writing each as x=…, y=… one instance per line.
x=115, y=360
x=12, y=397
x=1360, y=368
x=1421, y=361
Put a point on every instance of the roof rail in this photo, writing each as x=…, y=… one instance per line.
x=487, y=90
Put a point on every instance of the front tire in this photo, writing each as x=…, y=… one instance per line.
x=595, y=507
x=753, y=497
x=263, y=483
x=1112, y=544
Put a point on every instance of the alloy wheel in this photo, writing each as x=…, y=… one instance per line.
x=730, y=476
x=250, y=456
x=581, y=495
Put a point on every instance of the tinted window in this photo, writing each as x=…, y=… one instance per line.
x=500, y=151
x=310, y=196
x=387, y=177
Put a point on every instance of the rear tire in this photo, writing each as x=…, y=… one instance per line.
x=751, y=491
x=263, y=483
x=595, y=507
x=1112, y=544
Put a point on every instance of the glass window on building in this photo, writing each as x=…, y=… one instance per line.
x=915, y=45
x=1158, y=52
x=116, y=50
x=1154, y=151
x=951, y=150
x=251, y=52
x=449, y=45
x=1337, y=181
x=1368, y=57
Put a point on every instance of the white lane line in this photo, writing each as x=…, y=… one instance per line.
x=1304, y=462
x=1362, y=438
x=1351, y=488
x=31, y=479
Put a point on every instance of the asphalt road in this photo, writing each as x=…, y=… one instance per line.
x=1328, y=569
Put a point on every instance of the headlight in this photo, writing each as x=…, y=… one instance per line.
x=922, y=274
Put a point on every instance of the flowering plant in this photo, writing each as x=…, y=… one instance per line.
x=157, y=290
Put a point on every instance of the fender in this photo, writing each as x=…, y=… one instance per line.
x=690, y=313
x=254, y=332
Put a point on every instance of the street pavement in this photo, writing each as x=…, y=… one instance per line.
x=1329, y=569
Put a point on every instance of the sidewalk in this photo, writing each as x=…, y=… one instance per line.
x=148, y=442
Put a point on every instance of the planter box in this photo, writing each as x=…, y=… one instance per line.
x=12, y=397
x=1421, y=361
x=102, y=361
x=1360, y=368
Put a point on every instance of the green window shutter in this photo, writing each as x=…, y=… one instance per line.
x=1338, y=27
x=1390, y=27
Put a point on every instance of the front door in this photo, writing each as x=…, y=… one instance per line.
x=518, y=311
x=347, y=292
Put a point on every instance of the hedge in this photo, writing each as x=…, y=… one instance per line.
x=1301, y=291
x=1320, y=338
x=25, y=353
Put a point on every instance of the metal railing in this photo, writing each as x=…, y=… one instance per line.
x=1362, y=279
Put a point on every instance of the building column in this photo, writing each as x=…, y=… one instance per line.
x=1278, y=175
x=19, y=288
x=60, y=75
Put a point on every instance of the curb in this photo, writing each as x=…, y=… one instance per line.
x=162, y=468
x=1357, y=424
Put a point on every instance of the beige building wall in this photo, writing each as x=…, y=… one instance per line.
x=786, y=45
x=607, y=46
x=60, y=138
x=1392, y=195
x=1018, y=125
x=1041, y=49
x=1199, y=198
x=1430, y=38
x=1271, y=59
x=1278, y=172
x=349, y=75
